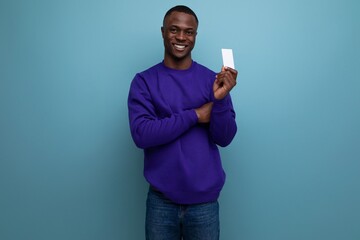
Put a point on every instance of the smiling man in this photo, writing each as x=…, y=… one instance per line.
x=179, y=33
x=179, y=113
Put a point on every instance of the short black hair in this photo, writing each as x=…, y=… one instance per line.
x=183, y=9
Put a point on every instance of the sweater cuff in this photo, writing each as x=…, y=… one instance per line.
x=222, y=104
x=193, y=116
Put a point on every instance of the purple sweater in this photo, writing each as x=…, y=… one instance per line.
x=181, y=157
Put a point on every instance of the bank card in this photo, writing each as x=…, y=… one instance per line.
x=228, y=57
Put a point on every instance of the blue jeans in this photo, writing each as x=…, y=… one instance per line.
x=166, y=220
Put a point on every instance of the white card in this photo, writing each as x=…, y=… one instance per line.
x=228, y=58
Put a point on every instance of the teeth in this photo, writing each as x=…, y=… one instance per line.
x=179, y=47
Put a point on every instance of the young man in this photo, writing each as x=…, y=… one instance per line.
x=179, y=111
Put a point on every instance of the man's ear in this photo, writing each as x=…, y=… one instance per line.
x=162, y=32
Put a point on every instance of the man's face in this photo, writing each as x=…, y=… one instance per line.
x=179, y=34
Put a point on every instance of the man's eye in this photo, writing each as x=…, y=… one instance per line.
x=173, y=30
x=190, y=33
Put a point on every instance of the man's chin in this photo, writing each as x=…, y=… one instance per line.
x=181, y=56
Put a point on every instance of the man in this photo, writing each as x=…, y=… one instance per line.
x=179, y=111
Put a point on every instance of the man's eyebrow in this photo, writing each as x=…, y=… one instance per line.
x=177, y=26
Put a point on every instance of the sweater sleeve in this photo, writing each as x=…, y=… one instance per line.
x=222, y=122
x=148, y=126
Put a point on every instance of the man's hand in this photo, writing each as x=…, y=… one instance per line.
x=224, y=82
x=204, y=112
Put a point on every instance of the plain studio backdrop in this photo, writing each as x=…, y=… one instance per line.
x=70, y=170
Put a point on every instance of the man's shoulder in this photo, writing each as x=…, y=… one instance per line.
x=203, y=68
x=151, y=69
x=147, y=74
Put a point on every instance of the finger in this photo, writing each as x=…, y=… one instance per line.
x=224, y=74
x=230, y=69
x=230, y=77
x=229, y=83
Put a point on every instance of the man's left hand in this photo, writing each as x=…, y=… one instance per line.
x=224, y=82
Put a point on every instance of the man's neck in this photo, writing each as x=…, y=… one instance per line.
x=182, y=64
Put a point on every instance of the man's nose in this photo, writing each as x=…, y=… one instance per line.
x=180, y=35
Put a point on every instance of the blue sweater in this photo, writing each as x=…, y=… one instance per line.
x=181, y=157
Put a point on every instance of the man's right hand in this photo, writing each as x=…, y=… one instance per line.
x=204, y=112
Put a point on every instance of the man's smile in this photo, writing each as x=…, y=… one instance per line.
x=179, y=47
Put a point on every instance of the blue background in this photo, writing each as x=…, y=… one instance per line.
x=68, y=166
